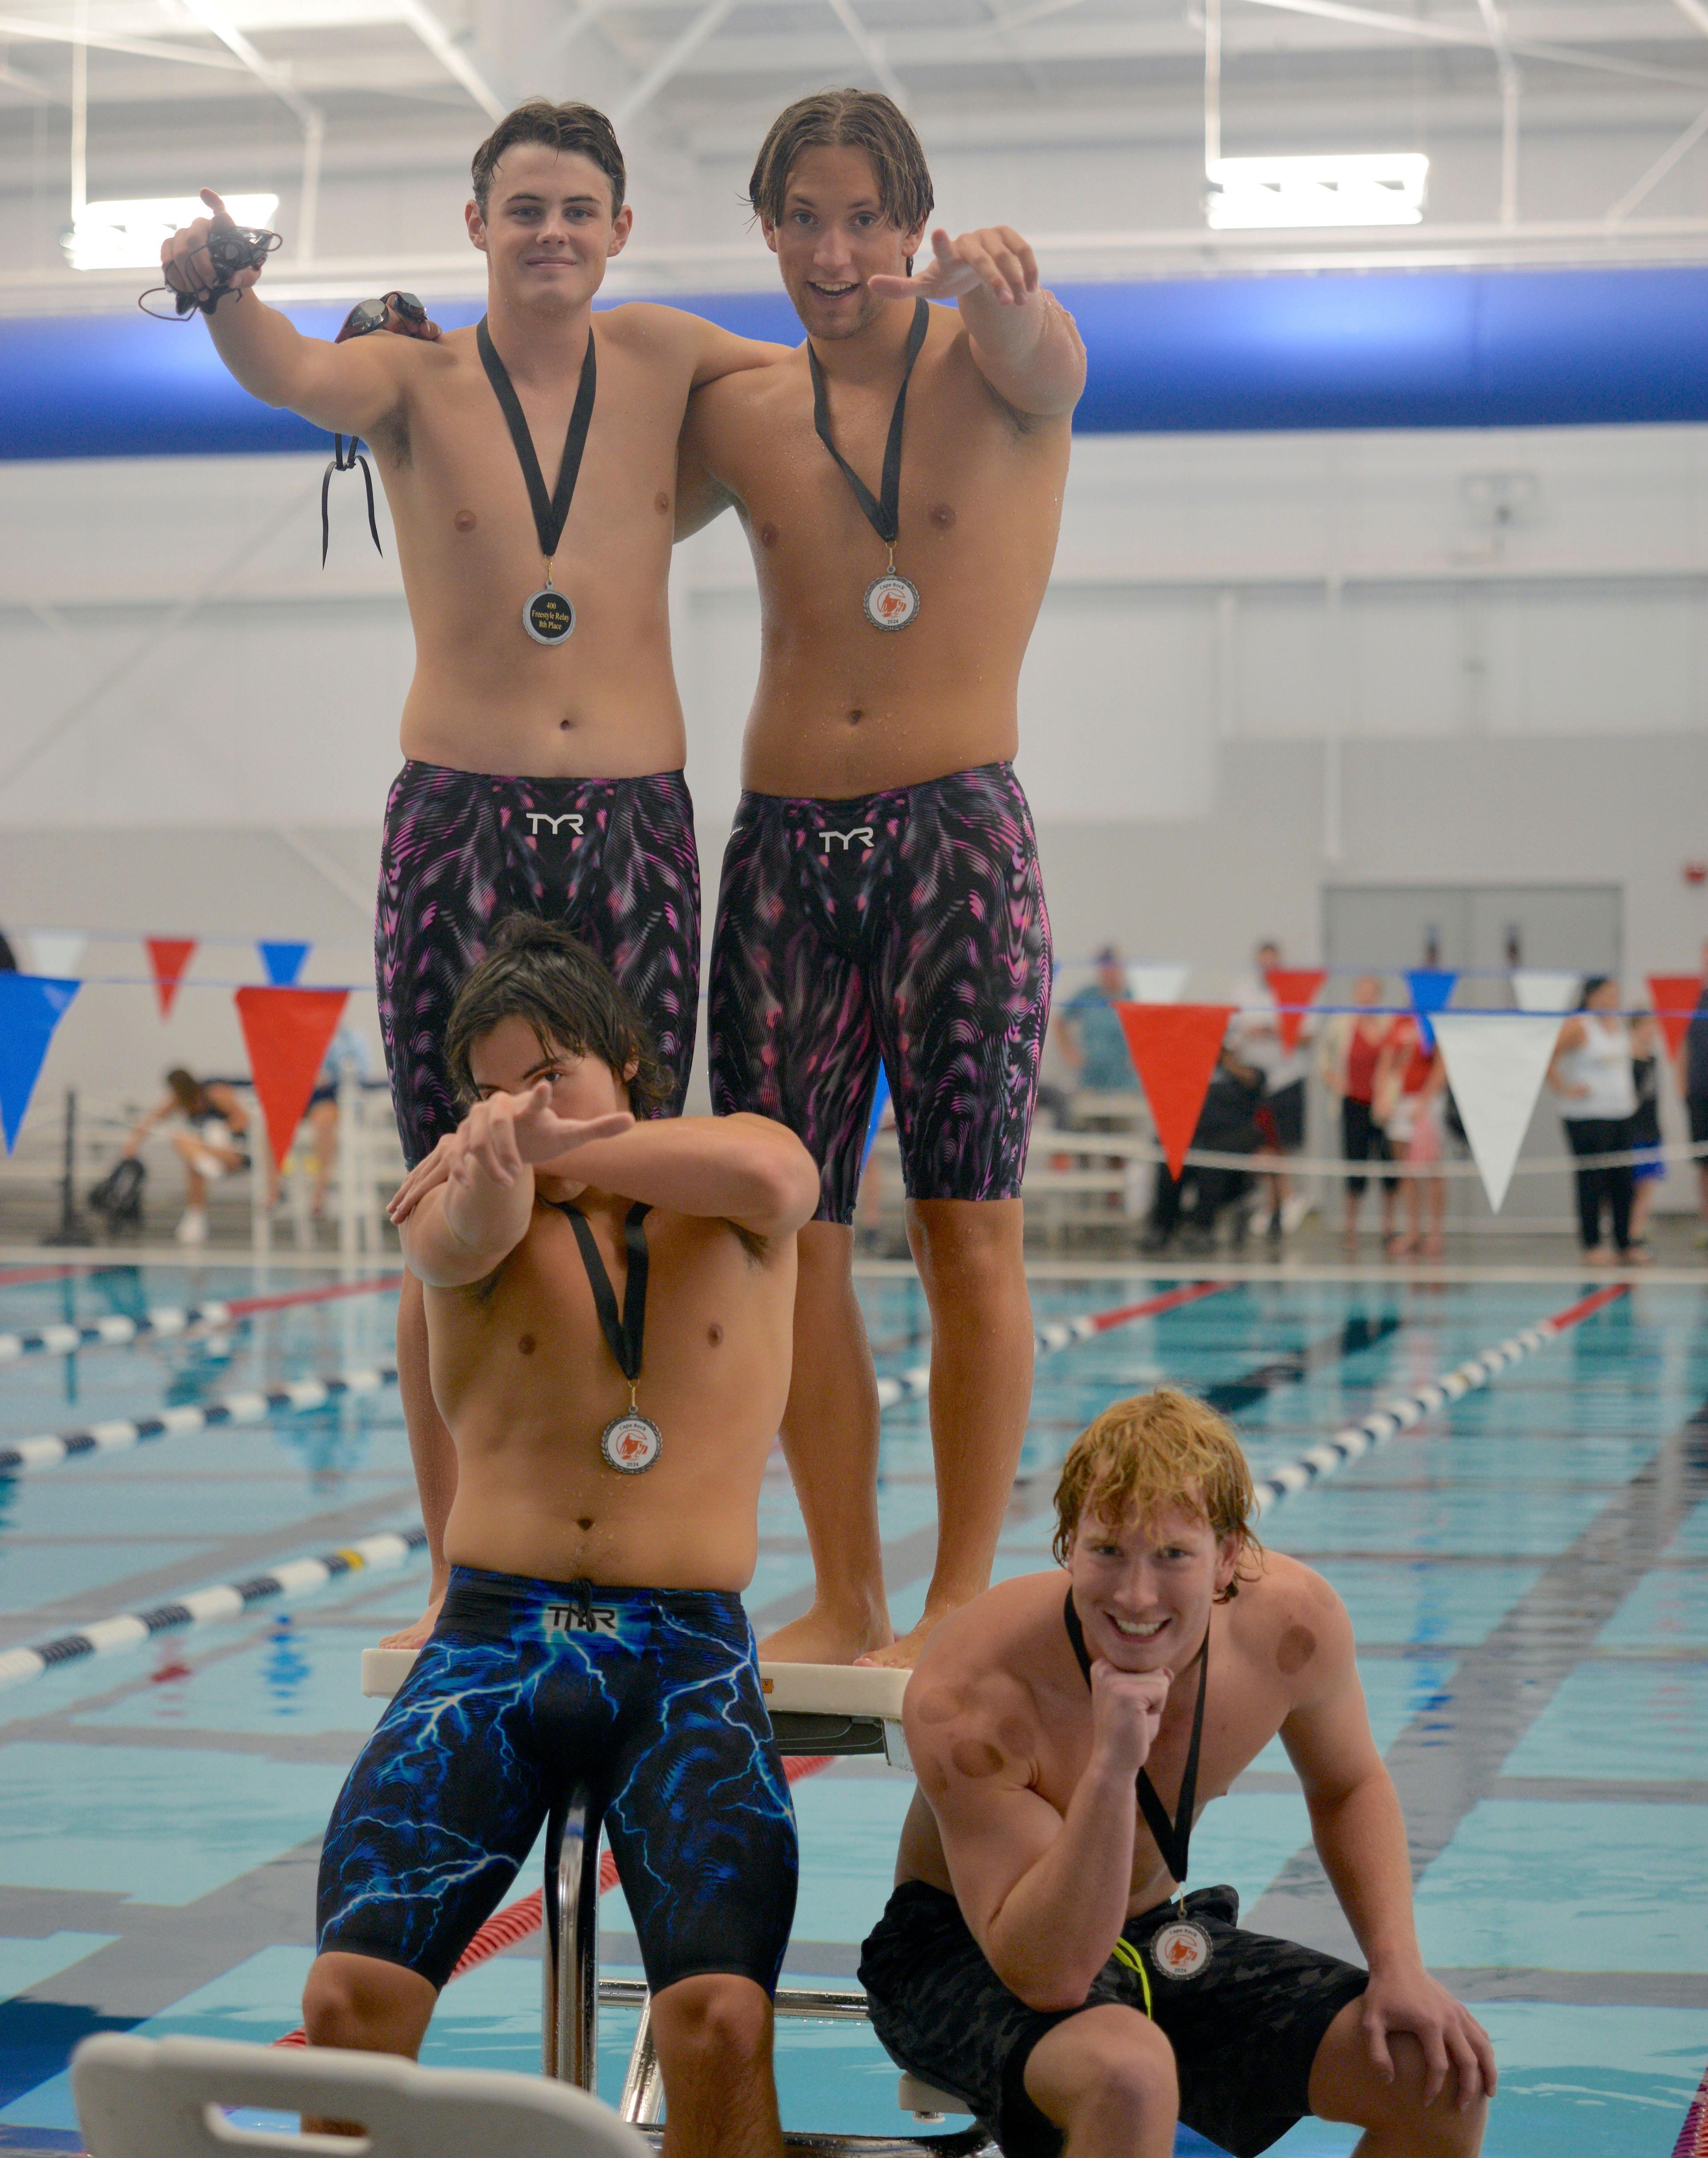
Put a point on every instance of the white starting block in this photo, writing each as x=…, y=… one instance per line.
x=815, y=1708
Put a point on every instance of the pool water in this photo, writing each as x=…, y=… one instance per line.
x=1527, y=1574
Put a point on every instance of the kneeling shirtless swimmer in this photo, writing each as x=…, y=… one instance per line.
x=1031, y=1958
x=609, y=1308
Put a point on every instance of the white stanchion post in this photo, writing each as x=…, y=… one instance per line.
x=349, y=1147
x=261, y=1219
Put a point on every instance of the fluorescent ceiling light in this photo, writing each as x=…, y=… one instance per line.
x=1249, y=192
x=127, y=236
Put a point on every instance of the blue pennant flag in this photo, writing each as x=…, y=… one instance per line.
x=1431, y=988
x=31, y=1006
x=283, y=964
x=881, y=1101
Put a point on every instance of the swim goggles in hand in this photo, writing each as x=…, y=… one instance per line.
x=228, y=249
x=400, y=313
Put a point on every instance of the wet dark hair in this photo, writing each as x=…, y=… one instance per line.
x=188, y=1091
x=580, y=129
x=536, y=972
x=846, y=119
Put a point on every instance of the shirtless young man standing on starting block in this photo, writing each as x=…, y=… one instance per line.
x=900, y=478
x=608, y=1313
x=1033, y=1958
x=542, y=731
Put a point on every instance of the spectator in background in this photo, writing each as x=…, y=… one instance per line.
x=1227, y=1123
x=1693, y=1084
x=8, y=958
x=1410, y=1104
x=1645, y=1127
x=1590, y=1072
x=212, y=1147
x=346, y=1053
x=1347, y=1055
x=1093, y=1046
x=1255, y=1035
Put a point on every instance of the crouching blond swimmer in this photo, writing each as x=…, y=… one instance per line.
x=1039, y=1955
x=610, y=1307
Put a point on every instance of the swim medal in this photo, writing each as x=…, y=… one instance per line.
x=548, y=616
x=1180, y=1950
x=631, y=1444
x=892, y=600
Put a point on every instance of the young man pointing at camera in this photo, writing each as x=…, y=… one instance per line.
x=899, y=478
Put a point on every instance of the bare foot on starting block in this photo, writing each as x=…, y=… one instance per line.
x=820, y=1638
x=415, y=1636
x=903, y=1653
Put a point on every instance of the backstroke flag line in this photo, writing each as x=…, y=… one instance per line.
x=1496, y=1062
x=168, y=960
x=1175, y=1049
x=31, y=1006
x=1545, y=988
x=287, y=1033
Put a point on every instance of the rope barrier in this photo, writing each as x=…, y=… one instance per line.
x=165, y=1320
x=1405, y=1410
x=49, y=1448
x=1125, y=1147
x=1060, y=1334
x=230, y=1599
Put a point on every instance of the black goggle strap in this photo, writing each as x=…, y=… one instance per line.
x=627, y=1335
x=1174, y=1838
x=343, y=461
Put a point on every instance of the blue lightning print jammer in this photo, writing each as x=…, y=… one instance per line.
x=525, y=1688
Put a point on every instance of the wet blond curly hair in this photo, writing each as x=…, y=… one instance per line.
x=1154, y=1451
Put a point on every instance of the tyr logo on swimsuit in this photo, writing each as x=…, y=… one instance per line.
x=580, y=1618
x=863, y=833
x=536, y=818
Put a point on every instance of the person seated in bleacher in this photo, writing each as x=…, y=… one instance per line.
x=610, y=1313
x=215, y=1144
x=1193, y=1203
x=1041, y=1957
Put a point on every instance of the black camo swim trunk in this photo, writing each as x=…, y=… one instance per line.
x=1245, y=2027
x=908, y=924
x=612, y=859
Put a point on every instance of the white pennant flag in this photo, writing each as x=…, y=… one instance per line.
x=58, y=952
x=1496, y=1062
x=1153, y=982
x=1545, y=989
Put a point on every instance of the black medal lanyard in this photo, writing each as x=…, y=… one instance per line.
x=550, y=511
x=627, y=1335
x=883, y=511
x=1174, y=1838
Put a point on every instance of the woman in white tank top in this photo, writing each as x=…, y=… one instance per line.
x=1592, y=1074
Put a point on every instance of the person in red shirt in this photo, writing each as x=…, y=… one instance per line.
x=1352, y=1045
x=1409, y=1103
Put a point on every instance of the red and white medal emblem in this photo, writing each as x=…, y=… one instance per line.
x=1181, y=1949
x=631, y=1444
x=892, y=600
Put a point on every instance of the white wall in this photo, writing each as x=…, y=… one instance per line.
x=1267, y=662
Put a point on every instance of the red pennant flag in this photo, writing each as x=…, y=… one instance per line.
x=1296, y=986
x=288, y=1032
x=1676, y=997
x=1174, y=1048
x=170, y=958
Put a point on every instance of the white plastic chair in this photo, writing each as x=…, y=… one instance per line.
x=146, y=2098
x=815, y=1708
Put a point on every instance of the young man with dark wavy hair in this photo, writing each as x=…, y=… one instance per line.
x=530, y=466
x=608, y=1309
x=899, y=478
x=1043, y=1956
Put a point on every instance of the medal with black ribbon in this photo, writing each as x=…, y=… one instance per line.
x=547, y=616
x=630, y=1443
x=891, y=600
x=1181, y=1948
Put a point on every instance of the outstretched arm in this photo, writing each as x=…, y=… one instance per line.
x=1024, y=341
x=1359, y=1834
x=348, y=388
x=470, y=1221
x=743, y=1168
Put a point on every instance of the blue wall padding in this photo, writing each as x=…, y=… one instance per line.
x=1387, y=348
